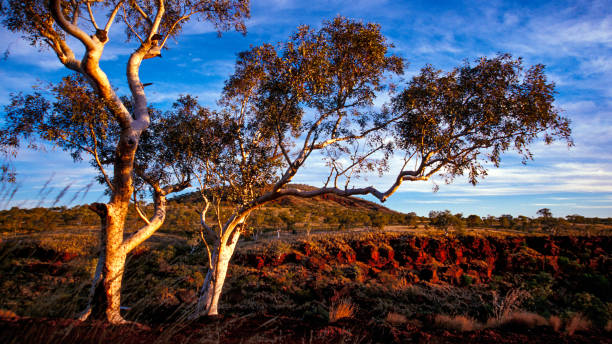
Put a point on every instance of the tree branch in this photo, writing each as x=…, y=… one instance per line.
x=161, y=9
x=142, y=13
x=97, y=158
x=138, y=211
x=144, y=232
x=111, y=18
x=91, y=16
x=73, y=30
x=125, y=20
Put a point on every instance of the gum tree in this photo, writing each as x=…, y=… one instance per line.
x=59, y=25
x=312, y=97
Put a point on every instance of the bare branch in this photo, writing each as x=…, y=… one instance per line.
x=96, y=156
x=168, y=34
x=161, y=9
x=111, y=18
x=142, y=13
x=91, y=16
x=126, y=21
x=361, y=159
x=363, y=134
x=202, y=214
x=144, y=232
x=70, y=28
x=207, y=250
x=139, y=212
x=75, y=12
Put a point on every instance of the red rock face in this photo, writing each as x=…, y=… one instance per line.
x=446, y=260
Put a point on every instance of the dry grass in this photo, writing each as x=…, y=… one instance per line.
x=526, y=319
x=343, y=308
x=457, y=323
x=555, y=322
x=396, y=318
x=608, y=327
x=401, y=285
x=503, y=307
x=577, y=323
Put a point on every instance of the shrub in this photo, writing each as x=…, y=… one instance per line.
x=503, y=307
x=592, y=307
x=474, y=221
x=466, y=280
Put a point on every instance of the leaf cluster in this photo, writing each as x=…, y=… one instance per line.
x=454, y=119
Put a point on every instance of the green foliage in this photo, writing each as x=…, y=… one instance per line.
x=444, y=219
x=379, y=220
x=466, y=280
x=593, y=308
x=474, y=221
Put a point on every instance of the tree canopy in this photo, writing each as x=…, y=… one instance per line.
x=312, y=97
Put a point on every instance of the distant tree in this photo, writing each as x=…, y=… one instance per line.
x=473, y=221
x=288, y=220
x=547, y=221
x=89, y=118
x=544, y=213
x=575, y=218
x=523, y=223
x=505, y=221
x=489, y=221
x=411, y=219
x=379, y=220
x=444, y=219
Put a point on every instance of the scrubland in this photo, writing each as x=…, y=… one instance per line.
x=397, y=285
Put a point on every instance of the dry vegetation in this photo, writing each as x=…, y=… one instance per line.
x=364, y=286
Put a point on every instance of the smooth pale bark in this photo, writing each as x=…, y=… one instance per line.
x=224, y=247
x=212, y=288
x=105, y=293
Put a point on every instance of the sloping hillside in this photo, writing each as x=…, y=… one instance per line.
x=330, y=200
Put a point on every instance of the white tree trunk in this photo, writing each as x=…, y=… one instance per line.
x=105, y=293
x=210, y=292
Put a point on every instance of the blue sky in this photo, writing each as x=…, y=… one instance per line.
x=573, y=40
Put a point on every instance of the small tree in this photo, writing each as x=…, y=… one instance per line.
x=89, y=117
x=473, y=221
x=313, y=96
x=505, y=221
x=379, y=221
x=544, y=213
x=411, y=219
x=547, y=220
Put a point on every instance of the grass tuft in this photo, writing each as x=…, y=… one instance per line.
x=341, y=309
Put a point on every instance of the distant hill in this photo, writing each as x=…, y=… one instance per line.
x=327, y=212
x=328, y=200
x=291, y=213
